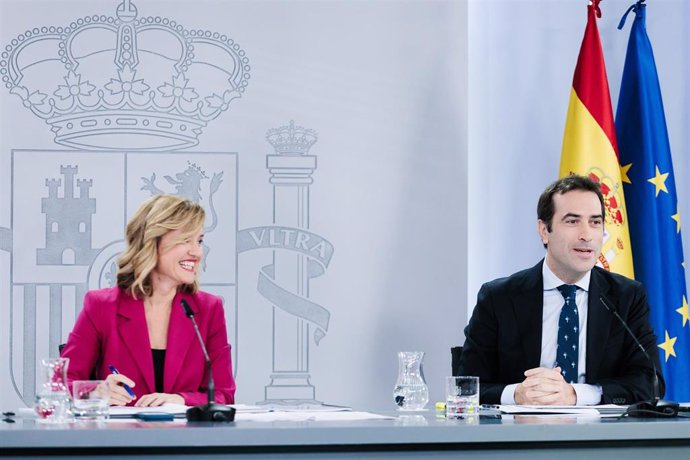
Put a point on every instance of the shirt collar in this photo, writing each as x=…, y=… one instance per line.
x=551, y=281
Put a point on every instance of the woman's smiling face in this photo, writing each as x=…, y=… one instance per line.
x=178, y=257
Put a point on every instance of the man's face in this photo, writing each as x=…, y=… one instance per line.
x=576, y=236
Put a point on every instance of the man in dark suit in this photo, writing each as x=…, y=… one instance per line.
x=542, y=336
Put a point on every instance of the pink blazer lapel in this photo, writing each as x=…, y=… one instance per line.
x=181, y=337
x=133, y=333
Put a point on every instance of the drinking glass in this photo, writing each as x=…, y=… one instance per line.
x=91, y=399
x=462, y=396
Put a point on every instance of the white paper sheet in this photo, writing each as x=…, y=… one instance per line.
x=179, y=409
x=175, y=409
x=576, y=410
x=303, y=416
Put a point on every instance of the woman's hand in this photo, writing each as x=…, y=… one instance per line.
x=118, y=394
x=158, y=399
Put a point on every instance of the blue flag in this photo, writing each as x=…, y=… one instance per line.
x=653, y=214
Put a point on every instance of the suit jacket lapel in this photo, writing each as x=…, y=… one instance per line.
x=133, y=333
x=598, y=324
x=528, y=305
x=181, y=337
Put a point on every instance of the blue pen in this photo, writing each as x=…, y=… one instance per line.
x=115, y=371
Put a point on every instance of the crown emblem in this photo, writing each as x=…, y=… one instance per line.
x=291, y=139
x=125, y=82
x=196, y=169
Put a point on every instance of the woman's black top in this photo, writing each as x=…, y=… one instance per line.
x=158, y=366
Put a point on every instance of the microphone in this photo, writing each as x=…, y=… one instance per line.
x=656, y=407
x=209, y=412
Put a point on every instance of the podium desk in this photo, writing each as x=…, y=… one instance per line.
x=407, y=436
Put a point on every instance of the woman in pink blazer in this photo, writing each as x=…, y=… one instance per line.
x=140, y=326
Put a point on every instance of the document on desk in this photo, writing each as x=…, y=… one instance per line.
x=263, y=413
x=300, y=408
x=131, y=411
x=574, y=410
x=305, y=416
x=179, y=410
x=611, y=409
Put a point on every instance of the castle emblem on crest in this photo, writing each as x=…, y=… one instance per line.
x=68, y=222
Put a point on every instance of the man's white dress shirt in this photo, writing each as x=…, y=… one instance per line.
x=553, y=303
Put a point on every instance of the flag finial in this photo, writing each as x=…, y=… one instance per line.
x=595, y=4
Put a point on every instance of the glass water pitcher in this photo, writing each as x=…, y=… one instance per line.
x=411, y=392
x=53, y=401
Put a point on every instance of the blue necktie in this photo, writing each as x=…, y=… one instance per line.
x=568, y=334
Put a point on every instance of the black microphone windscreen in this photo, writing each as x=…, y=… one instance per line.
x=187, y=309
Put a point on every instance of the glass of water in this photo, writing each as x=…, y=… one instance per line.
x=91, y=399
x=462, y=397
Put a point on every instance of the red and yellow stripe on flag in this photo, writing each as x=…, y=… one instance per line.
x=590, y=147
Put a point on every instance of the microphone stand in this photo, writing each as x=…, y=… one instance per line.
x=209, y=412
x=656, y=408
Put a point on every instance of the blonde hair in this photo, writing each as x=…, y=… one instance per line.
x=155, y=217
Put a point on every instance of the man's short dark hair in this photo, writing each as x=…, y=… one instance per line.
x=546, y=208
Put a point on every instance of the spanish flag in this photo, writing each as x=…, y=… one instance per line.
x=590, y=148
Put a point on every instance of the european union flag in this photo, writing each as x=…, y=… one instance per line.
x=653, y=215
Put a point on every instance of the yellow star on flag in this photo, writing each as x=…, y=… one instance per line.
x=667, y=346
x=676, y=217
x=659, y=181
x=624, y=173
x=684, y=312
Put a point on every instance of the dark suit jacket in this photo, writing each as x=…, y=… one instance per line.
x=111, y=329
x=503, y=337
